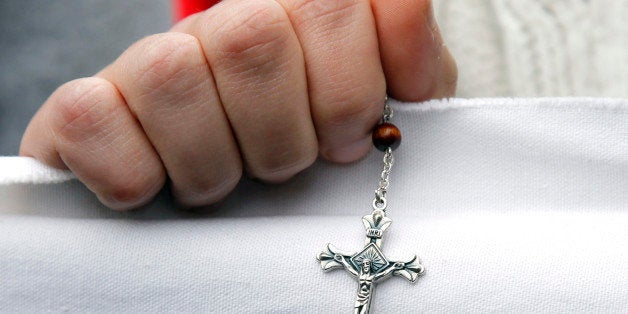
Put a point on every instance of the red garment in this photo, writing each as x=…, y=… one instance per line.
x=184, y=8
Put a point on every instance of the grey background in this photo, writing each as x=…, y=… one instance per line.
x=44, y=43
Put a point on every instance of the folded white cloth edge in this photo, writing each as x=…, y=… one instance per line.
x=26, y=170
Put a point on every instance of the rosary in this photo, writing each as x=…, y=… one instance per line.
x=370, y=265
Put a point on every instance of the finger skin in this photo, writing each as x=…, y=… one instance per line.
x=418, y=66
x=274, y=64
x=169, y=87
x=86, y=126
x=345, y=78
x=260, y=75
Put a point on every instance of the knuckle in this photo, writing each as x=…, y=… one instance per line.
x=261, y=29
x=165, y=58
x=333, y=11
x=81, y=104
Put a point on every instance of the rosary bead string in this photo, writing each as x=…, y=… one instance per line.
x=386, y=137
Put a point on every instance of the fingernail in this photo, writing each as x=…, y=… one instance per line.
x=348, y=153
x=432, y=25
x=119, y=205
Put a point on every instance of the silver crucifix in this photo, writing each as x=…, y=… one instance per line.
x=370, y=265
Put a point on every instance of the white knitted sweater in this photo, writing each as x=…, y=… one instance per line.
x=538, y=47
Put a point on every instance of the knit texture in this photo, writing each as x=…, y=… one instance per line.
x=538, y=48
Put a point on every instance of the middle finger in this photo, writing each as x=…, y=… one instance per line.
x=260, y=75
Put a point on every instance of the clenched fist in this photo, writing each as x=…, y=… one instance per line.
x=262, y=86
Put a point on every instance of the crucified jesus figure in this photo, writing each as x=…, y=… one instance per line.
x=369, y=265
x=366, y=279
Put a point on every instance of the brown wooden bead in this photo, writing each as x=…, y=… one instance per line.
x=386, y=135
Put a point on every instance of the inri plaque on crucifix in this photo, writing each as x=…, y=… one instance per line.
x=370, y=265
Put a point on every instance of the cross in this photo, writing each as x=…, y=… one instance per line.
x=370, y=265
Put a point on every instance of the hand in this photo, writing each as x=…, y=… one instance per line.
x=260, y=85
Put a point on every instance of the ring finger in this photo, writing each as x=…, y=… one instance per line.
x=346, y=81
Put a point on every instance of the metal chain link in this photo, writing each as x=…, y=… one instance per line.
x=388, y=112
x=382, y=187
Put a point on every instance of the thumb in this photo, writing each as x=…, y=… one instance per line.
x=416, y=63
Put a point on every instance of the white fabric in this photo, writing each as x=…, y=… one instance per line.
x=537, y=47
x=514, y=205
x=28, y=171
